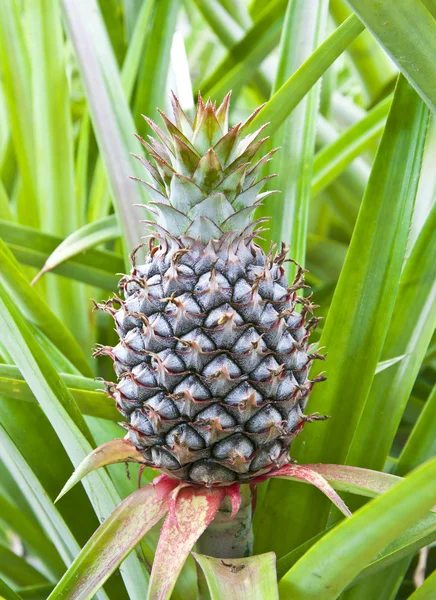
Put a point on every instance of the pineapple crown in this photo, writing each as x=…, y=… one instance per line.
x=204, y=181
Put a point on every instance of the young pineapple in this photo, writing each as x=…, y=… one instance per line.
x=213, y=357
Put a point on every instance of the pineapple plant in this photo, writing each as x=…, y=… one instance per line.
x=213, y=360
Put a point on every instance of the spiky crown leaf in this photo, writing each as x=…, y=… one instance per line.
x=205, y=183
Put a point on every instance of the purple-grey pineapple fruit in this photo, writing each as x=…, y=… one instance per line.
x=213, y=360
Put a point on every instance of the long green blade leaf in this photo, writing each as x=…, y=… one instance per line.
x=111, y=117
x=331, y=564
x=86, y=392
x=112, y=541
x=303, y=30
x=32, y=247
x=290, y=94
x=38, y=312
x=416, y=305
x=407, y=31
x=421, y=444
x=65, y=417
x=88, y=236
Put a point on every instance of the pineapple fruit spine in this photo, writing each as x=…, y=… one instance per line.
x=213, y=357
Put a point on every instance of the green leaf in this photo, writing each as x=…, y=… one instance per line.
x=42, y=506
x=17, y=570
x=16, y=80
x=332, y=159
x=244, y=57
x=65, y=417
x=427, y=590
x=288, y=560
x=405, y=545
x=99, y=196
x=38, y=312
x=86, y=392
x=421, y=443
x=32, y=536
x=389, y=362
x=88, y=236
x=54, y=147
x=111, y=117
x=112, y=541
x=230, y=31
x=303, y=30
x=416, y=305
x=375, y=70
x=290, y=94
x=5, y=206
x=7, y=593
x=331, y=564
x=151, y=92
x=35, y=592
x=407, y=32
x=115, y=451
x=363, y=482
x=33, y=247
x=358, y=318
x=253, y=577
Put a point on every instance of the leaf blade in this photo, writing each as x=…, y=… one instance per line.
x=239, y=578
x=359, y=538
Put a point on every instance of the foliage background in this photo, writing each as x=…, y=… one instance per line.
x=356, y=207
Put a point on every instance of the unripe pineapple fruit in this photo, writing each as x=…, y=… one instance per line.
x=213, y=357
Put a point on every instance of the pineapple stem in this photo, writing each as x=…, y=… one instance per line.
x=225, y=538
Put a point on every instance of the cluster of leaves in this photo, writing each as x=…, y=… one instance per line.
x=357, y=208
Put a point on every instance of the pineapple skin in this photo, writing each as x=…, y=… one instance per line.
x=213, y=359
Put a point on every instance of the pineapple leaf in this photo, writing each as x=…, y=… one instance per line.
x=208, y=172
x=172, y=219
x=203, y=228
x=33, y=247
x=240, y=578
x=215, y=207
x=420, y=445
x=184, y=193
x=409, y=39
x=115, y=451
x=48, y=515
x=331, y=160
x=355, y=480
x=416, y=302
x=193, y=510
x=313, y=477
x=37, y=312
x=290, y=94
x=320, y=572
x=60, y=407
x=108, y=106
x=207, y=130
x=232, y=184
x=225, y=145
x=88, y=236
x=113, y=540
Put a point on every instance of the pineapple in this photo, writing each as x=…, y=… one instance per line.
x=213, y=357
